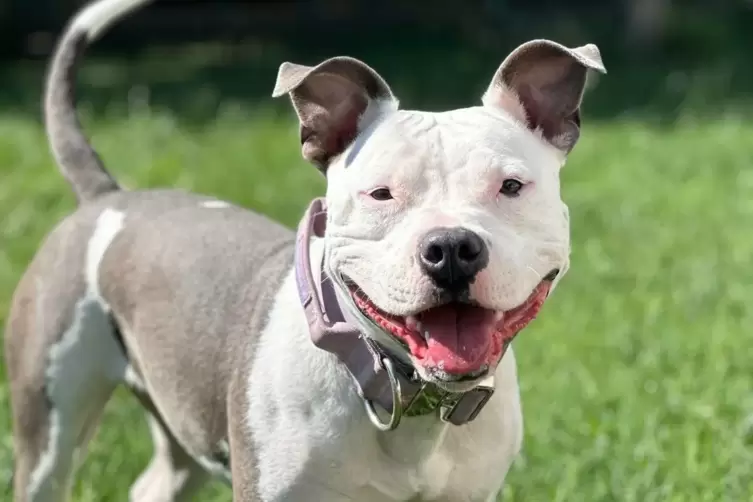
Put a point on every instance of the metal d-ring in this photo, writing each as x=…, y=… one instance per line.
x=397, y=404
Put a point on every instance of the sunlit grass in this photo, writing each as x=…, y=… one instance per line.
x=636, y=378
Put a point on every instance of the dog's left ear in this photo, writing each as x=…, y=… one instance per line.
x=334, y=101
x=541, y=83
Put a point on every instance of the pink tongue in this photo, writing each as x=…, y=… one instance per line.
x=460, y=337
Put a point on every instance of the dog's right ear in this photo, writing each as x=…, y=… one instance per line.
x=334, y=101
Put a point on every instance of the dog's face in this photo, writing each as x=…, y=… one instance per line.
x=446, y=230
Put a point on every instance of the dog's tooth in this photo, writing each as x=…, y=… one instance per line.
x=426, y=334
x=499, y=315
x=419, y=326
x=411, y=322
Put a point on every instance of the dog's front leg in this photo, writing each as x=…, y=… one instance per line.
x=264, y=474
x=299, y=448
x=312, y=491
x=297, y=422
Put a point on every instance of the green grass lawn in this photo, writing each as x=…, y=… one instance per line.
x=636, y=378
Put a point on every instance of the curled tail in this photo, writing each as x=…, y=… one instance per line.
x=76, y=158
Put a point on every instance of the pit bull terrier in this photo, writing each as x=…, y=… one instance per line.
x=364, y=357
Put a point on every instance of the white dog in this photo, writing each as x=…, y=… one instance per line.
x=365, y=359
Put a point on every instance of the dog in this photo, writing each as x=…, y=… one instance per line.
x=364, y=357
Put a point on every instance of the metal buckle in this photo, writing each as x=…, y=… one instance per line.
x=453, y=408
x=457, y=411
x=397, y=403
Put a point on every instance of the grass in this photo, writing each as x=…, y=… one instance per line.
x=636, y=378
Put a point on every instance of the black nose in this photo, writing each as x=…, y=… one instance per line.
x=452, y=257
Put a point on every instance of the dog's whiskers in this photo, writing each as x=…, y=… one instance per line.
x=535, y=272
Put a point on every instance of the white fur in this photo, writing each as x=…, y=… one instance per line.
x=451, y=166
x=133, y=380
x=163, y=480
x=95, y=18
x=158, y=479
x=215, y=468
x=215, y=204
x=109, y=223
x=84, y=368
x=315, y=444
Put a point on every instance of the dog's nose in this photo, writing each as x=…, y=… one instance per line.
x=452, y=257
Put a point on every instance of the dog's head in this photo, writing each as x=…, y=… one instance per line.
x=446, y=230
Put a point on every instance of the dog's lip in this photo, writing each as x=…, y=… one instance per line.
x=356, y=290
x=407, y=330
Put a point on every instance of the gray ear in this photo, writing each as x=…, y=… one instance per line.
x=541, y=83
x=332, y=100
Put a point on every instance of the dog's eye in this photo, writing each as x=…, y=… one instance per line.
x=511, y=187
x=380, y=194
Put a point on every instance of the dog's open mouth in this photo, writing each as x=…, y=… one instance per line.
x=459, y=340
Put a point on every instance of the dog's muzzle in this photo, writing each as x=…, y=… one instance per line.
x=379, y=378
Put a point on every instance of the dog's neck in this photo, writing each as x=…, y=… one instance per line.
x=368, y=362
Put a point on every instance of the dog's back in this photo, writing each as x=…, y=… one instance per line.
x=177, y=276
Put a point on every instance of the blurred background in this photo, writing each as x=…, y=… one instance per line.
x=635, y=379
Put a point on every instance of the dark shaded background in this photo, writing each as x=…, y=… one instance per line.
x=662, y=55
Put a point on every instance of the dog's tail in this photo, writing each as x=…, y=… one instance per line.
x=76, y=158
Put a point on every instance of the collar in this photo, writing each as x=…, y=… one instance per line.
x=379, y=378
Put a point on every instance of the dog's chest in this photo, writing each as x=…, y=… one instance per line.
x=424, y=461
x=313, y=442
